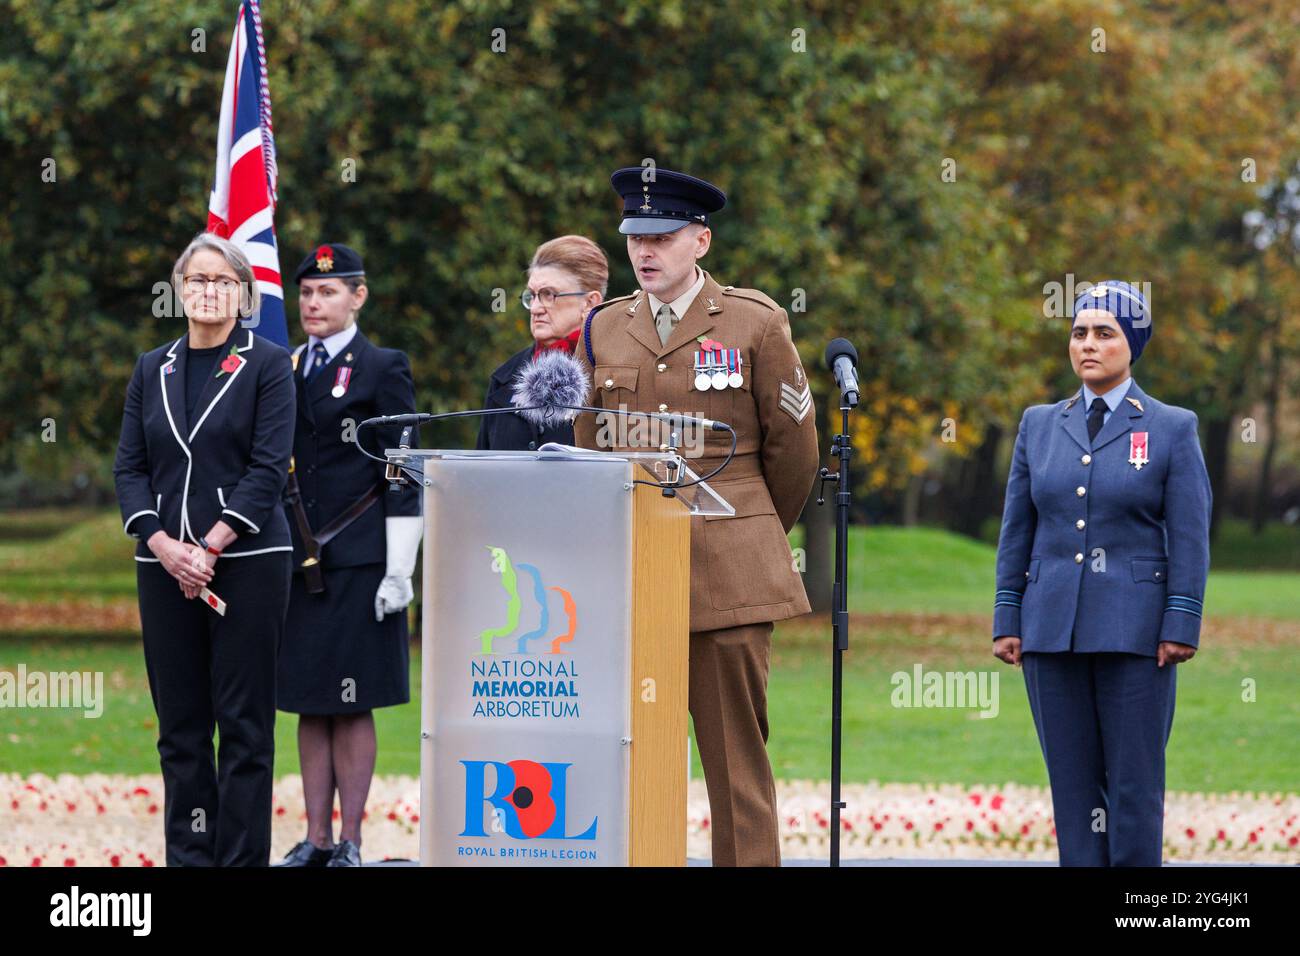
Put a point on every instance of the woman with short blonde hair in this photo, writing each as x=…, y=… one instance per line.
x=250, y=296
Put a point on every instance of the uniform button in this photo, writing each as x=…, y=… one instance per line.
x=310, y=469
x=663, y=407
x=662, y=367
x=1078, y=558
x=1086, y=459
x=609, y=383
x=1158, y=575
x=1079, y=524
x=1081, y=491
x=1026, y=575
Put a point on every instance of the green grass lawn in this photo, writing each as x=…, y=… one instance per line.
x=891, y=569
x=1219, y=743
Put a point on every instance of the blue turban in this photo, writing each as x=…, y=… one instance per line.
x=1128, y=306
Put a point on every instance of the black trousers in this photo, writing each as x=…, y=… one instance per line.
x=211, y=672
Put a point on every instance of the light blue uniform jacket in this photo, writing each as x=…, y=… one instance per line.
x=1097, y=554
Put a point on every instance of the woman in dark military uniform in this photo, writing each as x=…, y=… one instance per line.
x=346, y=647
x=566, y=280
x=1101, y=572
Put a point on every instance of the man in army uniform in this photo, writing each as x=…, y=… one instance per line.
x=684, y=344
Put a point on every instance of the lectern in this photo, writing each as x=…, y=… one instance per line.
x=556, y=612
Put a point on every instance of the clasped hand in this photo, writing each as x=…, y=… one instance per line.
x=189, y=564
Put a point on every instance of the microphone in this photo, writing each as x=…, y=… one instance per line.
x=415, y=418
x=842, y=359
x=677, y=421
x=546, y=389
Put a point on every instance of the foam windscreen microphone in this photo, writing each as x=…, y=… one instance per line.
x=543, y=386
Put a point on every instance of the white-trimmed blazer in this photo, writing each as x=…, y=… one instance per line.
x=230, y=463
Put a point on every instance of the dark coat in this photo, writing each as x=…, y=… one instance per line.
x=1097, y=554
x=230, y=463
x=331, y=472
x=513, y=432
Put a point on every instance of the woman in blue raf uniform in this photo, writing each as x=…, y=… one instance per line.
x=566, y=280
x=355, y=536
x=1101, y=572
x=200, y=466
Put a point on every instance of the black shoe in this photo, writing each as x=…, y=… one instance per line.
x=345, y=854
x=306, y=854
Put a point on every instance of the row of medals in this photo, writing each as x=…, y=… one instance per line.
x=710, y=374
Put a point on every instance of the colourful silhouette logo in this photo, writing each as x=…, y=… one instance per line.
x=501, y=564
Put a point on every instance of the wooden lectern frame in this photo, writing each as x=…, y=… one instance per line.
x=661, y=606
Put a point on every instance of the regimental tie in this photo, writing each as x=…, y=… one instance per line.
x=319, y=357
x=665, y=320
x=1096, y=415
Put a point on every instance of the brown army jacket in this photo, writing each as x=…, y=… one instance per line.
x=742, y=570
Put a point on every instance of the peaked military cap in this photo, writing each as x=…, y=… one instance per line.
x=661, y=200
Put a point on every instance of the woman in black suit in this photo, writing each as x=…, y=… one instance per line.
x=566, y=280
x=202, y=460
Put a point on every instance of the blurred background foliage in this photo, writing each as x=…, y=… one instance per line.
x=830, y=125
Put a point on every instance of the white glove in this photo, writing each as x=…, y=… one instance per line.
x=394, y=594
x=402, y=536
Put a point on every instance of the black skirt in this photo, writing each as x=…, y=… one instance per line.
x=335, y=658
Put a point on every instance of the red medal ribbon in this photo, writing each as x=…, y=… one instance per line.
x=1138, y=451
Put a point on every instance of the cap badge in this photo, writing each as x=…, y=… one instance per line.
x=645, y=206
x=324, y=259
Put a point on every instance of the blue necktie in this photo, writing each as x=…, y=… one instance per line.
x=319, y=357
x=1096, y=416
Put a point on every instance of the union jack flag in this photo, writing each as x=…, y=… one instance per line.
x=242, y=206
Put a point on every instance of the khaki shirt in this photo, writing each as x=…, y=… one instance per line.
x=742, y=571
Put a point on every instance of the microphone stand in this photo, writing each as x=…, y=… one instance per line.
x=841, y=448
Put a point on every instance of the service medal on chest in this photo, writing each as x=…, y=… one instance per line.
x=1138, y=454
x=341, y=380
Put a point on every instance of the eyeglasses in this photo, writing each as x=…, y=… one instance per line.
x=196, y=284
x=546, y=296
